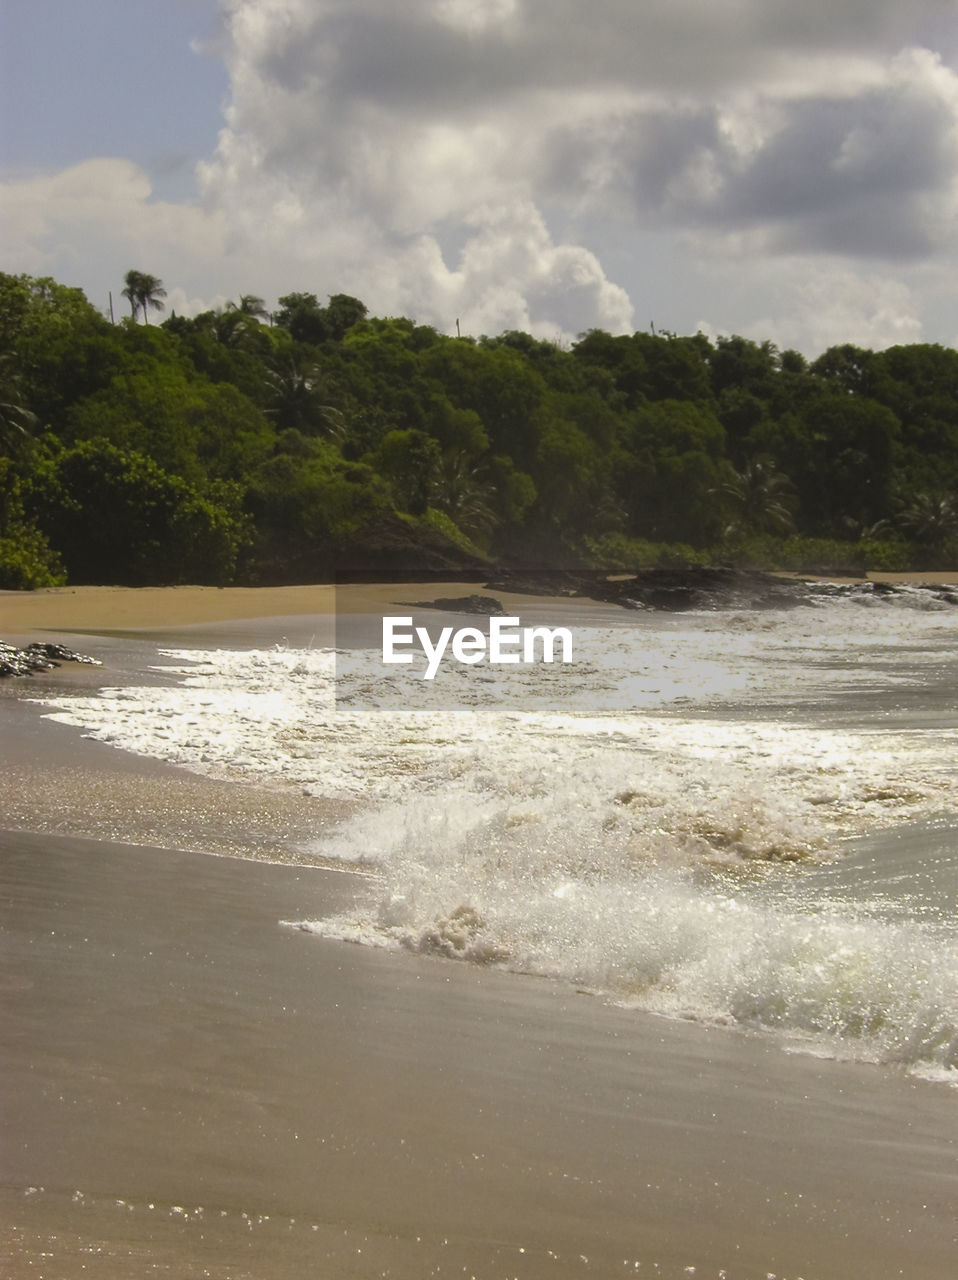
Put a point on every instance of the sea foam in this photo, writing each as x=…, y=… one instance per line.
x=616, y=825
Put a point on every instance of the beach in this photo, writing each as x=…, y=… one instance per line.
x=113, y=609
x=194, y=1087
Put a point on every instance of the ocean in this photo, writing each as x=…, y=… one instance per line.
x=740, y=819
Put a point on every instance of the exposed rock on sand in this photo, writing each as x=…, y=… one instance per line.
x=485, y=606
x=38, y=657
x=678, y=590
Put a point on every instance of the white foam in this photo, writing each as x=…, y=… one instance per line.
x=604, y=823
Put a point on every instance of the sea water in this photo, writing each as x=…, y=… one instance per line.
x=741, y=818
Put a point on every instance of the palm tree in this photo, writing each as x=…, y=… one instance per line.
x=761, y=498
x=931, y=520
x=297, y=399
x=238, y=324
x=249, y=305
x=460, y=489
x=16, y=419
x=143, y=292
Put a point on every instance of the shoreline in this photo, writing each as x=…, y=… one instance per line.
x=95, y=610
x=191, y=1086
x=225, y=1096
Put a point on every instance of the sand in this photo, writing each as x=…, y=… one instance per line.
x=193, y=1089
x=92, y=609
x=97, y=609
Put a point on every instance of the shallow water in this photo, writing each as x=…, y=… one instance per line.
x=702, y=816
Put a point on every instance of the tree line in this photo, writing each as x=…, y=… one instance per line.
x=261, y=447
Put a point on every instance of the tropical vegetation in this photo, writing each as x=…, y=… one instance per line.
x=247, y=446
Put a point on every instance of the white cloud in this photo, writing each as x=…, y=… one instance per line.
x=827, y=304
x=869, y=173
x=70, y=225
x=500, y=160
x=333, y=163
x=476, y=16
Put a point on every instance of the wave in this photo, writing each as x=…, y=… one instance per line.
x=617, y=824
x=539, y=886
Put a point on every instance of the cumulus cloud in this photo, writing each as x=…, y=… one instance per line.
x=362, y=136
x=59, y=225
x=498, y=161
x=867, y=171
x=361, y=132
x=813, y=306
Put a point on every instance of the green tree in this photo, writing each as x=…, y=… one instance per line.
x=16, y=420
x=60, y=348
x=462, y=490
x=668, y=469
x=187, y=425
x=305, y=509
x=249, y=305
x=144, y=293
x=411, y=462
x=342, y=313
x=759, y=498
x=297, y=397
x=931, y=520
x=739, y=362
x=115, y=516
x=26, y=559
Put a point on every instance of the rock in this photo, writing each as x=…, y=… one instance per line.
x=38, y=657
x=485, y=606
x=672, y=590
x=699, y=587
x=62, y=653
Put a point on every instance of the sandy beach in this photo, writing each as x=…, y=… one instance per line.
x=92, y=609
x=98, y=609
x=193, y=1089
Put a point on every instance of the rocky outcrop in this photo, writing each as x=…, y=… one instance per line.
x=38, y=657
x=672, y=590
x=484, y=606
x=867, y=591
x=679, y=590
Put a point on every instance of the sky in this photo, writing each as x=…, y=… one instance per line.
x=785, y=171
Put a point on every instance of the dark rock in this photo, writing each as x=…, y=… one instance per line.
x=672, y=590
x=546, y=582
x=700, y=587
x=485, y=606
x=37, y=657
x=61, y=652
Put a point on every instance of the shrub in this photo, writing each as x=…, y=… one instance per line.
x=27, y=561
x=118, y=517
x=618, y=551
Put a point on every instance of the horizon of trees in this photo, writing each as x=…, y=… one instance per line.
x=239, y=446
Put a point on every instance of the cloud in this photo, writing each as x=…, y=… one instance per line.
x=359, y=135
x=868, y=171
x=824, y=304
x=60, y=225
x=509, y=163
x=358, y=129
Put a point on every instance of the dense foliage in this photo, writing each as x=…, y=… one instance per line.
x=242, y=446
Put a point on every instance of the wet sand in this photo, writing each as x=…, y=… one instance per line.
x=193, y=1089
